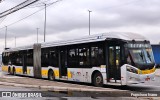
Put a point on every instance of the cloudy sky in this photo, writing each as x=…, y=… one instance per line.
x=69, y=19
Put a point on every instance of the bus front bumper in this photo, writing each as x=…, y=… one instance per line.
x=139, y=78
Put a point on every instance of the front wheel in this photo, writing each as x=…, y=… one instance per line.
x=51, y=76
x=9, y=70
x=14, y=71
x=98, y=79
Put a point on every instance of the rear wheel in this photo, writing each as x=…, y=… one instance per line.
x=98, y=79
x=51, y=75
x=9, y=70
x=14, y=71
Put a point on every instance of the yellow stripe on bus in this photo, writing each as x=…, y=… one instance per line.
x=28, y=71
x=5, y=68
x=147, y=71
x=19, y=70
x=56, y=73
x=44, y=72
x=69, y=74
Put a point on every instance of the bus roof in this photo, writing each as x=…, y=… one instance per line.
x=128, y=36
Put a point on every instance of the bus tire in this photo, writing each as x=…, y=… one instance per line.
x=14, y=71
x=9, y=70
x=98, y=79
x=51, y=76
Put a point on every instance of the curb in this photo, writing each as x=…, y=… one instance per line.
x=57, y=88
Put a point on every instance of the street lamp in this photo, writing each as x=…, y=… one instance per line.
x=6, y=38
x=89, y=20
x=45, y=24
x=37, y=34
x=15, y=41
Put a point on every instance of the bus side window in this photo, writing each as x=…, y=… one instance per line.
x=84, y=57
x=45, y=57
x=72, y=58
x=53, y=57
x=5, y=58
x=30, y=57
x=97, y=56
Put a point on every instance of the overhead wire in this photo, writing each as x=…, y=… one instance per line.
x=3, y=19
x=31, y=14
x=1, y=1
x=40, y=4
x=59, y=1
x=17, y=7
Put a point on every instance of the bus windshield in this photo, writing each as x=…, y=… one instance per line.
x=142, y=56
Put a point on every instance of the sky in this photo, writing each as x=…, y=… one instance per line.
x=69, y=19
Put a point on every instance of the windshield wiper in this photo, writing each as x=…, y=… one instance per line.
x=149, y=56
x=141, y=55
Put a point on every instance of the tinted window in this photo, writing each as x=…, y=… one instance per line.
x=53, y=57
x=97, y=56
x=73, y=58
x=45, y=57
x=30, y=57
x=84, y=57
x=5, y=58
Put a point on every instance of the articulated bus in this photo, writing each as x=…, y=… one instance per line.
x=113, y=58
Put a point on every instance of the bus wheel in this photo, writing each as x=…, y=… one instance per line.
x=14, y=71
x=51, y=75
x=9, y=70
x=98, y=80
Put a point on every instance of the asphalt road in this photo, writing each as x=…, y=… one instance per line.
x=153, y=86
x=51, y=95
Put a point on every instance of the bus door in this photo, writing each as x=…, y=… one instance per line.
x=63, y=62
x=114, y=60
x=24, y=60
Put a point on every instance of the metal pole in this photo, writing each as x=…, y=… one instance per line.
x=15, y=41
x=37, y=35
x=45, y=24
x=89, y=21
x=6, y=38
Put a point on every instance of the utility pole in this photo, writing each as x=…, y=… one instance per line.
x=45, y=24
x=37, y=34
x=15, y=41
x=6, y=38
x=89, y=21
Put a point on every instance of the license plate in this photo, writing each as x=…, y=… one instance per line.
x=147, y=79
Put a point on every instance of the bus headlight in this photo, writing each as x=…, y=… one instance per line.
x=131, y=69
x=139, y=72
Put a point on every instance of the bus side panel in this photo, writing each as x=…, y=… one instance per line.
x=30, y=71
x=85, y=74
x=102, y=70
x=19, y=70
x=75, y=74
x=45, y=71
x=5, y=68
x=56, y=73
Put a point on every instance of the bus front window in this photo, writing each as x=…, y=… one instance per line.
x=137, y=56
x=149, y=55
x=142, y=56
